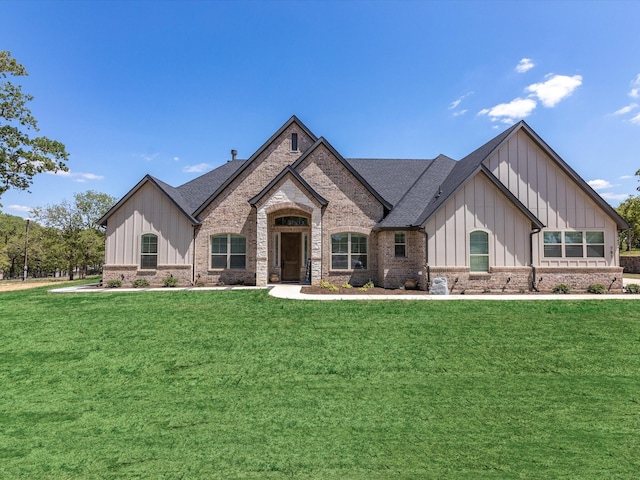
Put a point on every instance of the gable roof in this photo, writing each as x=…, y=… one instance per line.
x=323, y=142
x=170, y=192
x=251, y=159
x=463, y=171
x=288, y=171
x=410, y=190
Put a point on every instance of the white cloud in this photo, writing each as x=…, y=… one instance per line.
x=525, y=65
x=176, y=159
x=200, y=167
x=461, y=112
x=599, y=184
x=615, y=196
x=19, y=208
x=626, y=177
x=626, y=109
x=636, y=119
x=77, y=176
x=510, y=112
x=555, y=88
x=148, y=157
x=453, y=105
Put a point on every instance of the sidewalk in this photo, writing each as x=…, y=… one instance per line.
x=293, y=292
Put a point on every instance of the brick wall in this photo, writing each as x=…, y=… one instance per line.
x=519, y=279
x=129, y=273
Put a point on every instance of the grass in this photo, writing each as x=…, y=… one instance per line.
x=629, y=253
x=240, y=385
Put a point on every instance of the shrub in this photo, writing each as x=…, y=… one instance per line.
x=367, y=286
x=116, y=283
x=140, y=283
x=561, y=288
x=346, y=285
x=597, y=288
x=633, y=288
x=170, y=281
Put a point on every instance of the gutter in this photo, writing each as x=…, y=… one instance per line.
x=426, y=259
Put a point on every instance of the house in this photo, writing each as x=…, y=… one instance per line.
x=511, y=216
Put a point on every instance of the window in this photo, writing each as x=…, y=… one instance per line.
x=149, y=251
x=276, y=250
x=400, y=242
x=228, y=252
x=291, y=221
x=348, y=251
x=595, y=244
x=479, y=251
x=294, y=142
x=573, y=244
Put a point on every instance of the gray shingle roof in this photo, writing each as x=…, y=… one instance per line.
x=196, y=191
x=411, y=190
x=391, y=178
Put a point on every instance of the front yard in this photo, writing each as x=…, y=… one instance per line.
x=193, y=384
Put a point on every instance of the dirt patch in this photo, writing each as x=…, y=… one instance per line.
x=315, y=290
x=11, y=285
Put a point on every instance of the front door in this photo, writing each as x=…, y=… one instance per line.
x=290, y=257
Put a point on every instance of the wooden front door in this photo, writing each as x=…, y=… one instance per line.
x=290, y=248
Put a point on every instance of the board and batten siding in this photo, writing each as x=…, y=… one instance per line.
x=553, y=197
x=148, y=211
x=479, y=205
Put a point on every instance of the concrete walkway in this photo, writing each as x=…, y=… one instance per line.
x=293, y=292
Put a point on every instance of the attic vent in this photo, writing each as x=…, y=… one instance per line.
x=233, y=154
x=294, y=142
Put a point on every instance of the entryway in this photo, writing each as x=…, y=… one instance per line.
x=290, y=262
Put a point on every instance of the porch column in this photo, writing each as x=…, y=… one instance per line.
x=316, y=245
x=262, y=270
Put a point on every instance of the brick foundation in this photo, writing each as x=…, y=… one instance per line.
x=129, y=273
x=519, y=279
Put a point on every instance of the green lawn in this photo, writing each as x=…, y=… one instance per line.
x=240, y=385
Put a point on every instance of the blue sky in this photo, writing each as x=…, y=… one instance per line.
x=169, y=88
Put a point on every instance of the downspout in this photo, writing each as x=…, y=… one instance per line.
x=193, y=262
x=533, y=267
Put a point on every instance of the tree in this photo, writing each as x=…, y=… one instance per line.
x=630, y=211
x=74, y=229
x=22, y=155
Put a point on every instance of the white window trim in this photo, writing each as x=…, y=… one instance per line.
x=349, y=269
x=404, y=234
x=228, y=253
x=488, y=254
x=140, y=253
x=585, y=244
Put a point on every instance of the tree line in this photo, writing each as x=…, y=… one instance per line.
x=59, y=240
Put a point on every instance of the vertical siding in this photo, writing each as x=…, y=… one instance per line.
x=551, y=195
x=478, y=205
x=148, y=211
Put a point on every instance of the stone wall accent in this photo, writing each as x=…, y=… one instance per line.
x=128, y=273
x=579, y=279
x=630, y=264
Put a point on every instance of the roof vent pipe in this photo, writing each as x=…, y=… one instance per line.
x=233, y=154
